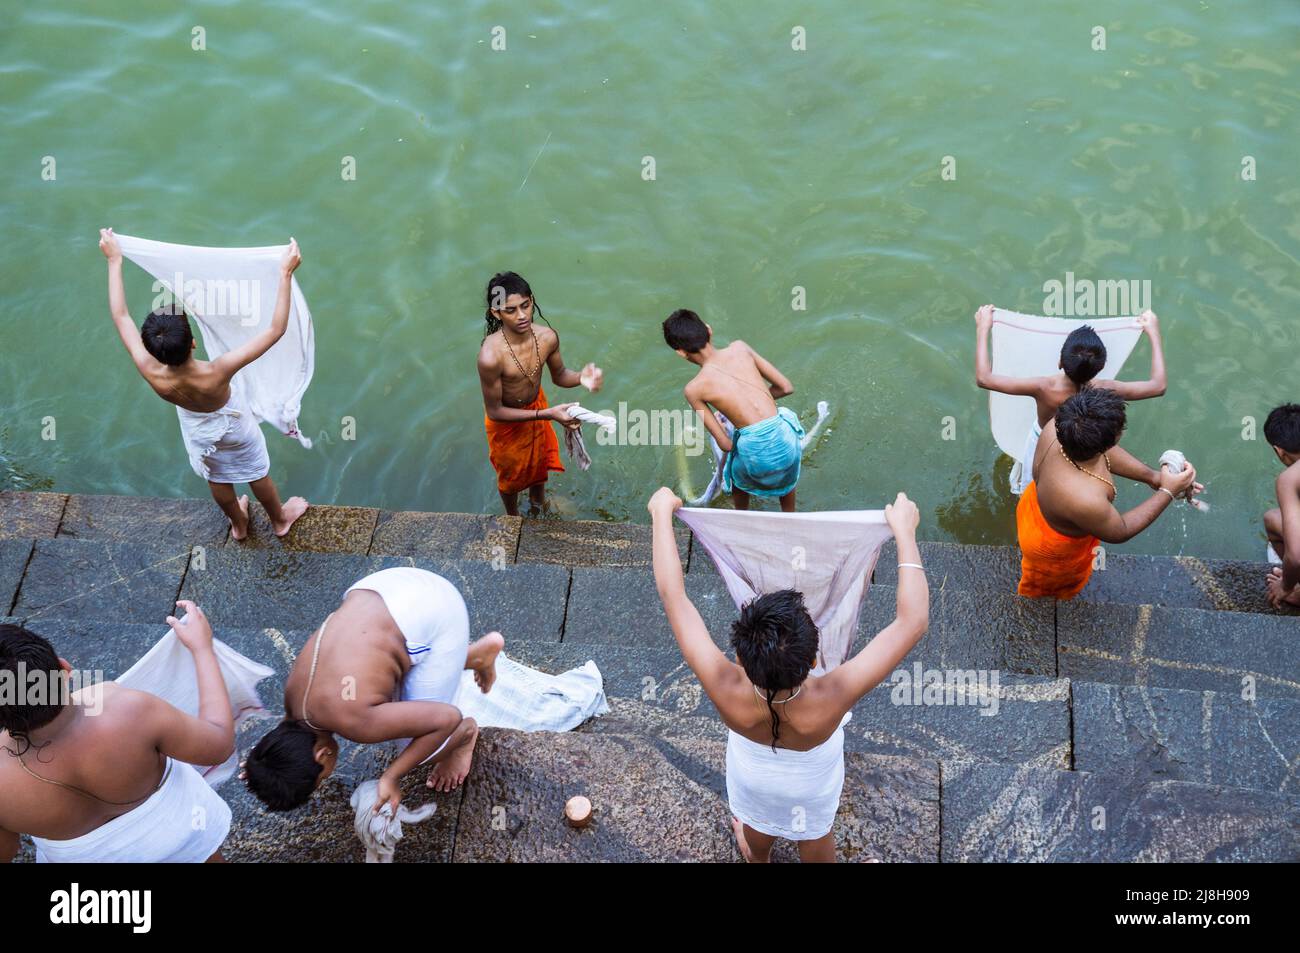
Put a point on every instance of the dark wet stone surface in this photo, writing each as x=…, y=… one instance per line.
x=591, y=543
x=622, y=606
x=133, y=519
x=322, y=529
x=69, y=578
x=1004, y=813
x=30, y=515
x=447, y=536
x=982, y=569
x=1184, y=581
x=519, y=601
x=1179, y=648
x=14, y=554
x=1209, y=737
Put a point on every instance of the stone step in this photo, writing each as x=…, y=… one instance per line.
x=1004, y=813
x=1130, y=579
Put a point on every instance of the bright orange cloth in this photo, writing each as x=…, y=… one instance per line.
x=1051, y=563
x=523, y=453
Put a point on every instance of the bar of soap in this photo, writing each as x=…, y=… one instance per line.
x=577, y=811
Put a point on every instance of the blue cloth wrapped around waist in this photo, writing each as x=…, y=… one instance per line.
x=765, y=456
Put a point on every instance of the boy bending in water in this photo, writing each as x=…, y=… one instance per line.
x=1082, y=358
x=1282, y=431
x=522, y=445
x=764, y=451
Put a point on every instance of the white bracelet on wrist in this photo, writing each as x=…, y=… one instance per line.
x=1165, y=489
x=911, y=566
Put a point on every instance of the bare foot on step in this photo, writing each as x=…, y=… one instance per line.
x=483, y=660
x=238, y=533
x=289, y=513
x=738, y=829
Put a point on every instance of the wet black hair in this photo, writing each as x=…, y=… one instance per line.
x=1090, y=422
x=1282, y=429
x=23, y=652
x=775, y=640
x=166, y=335
x=1083, y=355
x=684, y=331
x=510, y=283
x=282, y=770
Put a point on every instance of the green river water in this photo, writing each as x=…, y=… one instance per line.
x=774, y=168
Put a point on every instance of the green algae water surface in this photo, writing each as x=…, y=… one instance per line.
x=888, y=166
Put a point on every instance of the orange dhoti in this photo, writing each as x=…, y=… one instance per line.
x=523, y=453
x=1051, y=563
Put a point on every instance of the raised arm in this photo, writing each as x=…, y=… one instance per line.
x=883, y=653
x=1099, y=518
x=984, y=376
x=234, y=359
x=209, y=738
x=126, y=328
x=706, y=660
x=780, y=385
x=1156, y=385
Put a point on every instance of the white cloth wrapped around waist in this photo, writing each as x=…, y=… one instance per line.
x=226, y=445
x=183, y=822
x=1022, y=471
x=784, y=793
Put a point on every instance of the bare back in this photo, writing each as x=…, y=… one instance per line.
x=103, y=754
x=806, y=721
x=196, y=385
x=733, y=384
x=1066, y=494
x=361, y=664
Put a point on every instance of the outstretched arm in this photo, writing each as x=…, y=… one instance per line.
x=228, y=364
x=1123, y=463
x=984, y=376
x=780, y=385
x=126, y=328
x=590, y=375
x=882, y=654
x=706, y=660
x=1099, y=518
x=1156, y=386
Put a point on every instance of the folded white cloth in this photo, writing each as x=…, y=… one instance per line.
x=529, y=700
x=167, y=670
x=230, y=293
x=226, y=446
x=784, y=793
x=829, y=557
x=1026, y=345
x=380, y=832
x=183, y=822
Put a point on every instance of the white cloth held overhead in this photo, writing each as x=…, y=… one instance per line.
x=230, y=293
x=162, y=830
x=379, y=832
x=1026, y=345
x=829, y=557
x=167, y=670
x=785, y=793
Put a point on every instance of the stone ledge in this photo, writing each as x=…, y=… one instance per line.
x=30, y=515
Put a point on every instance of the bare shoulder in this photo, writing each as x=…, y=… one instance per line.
x=547, y=338
x=489, y=353
x=1288, y=481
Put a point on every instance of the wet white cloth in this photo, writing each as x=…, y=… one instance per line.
x=1026, y=345
x=784, y=793
x=829, y=557
x=226, y=446
x=431, y=615
x=1175, y=461
x=380, y=832
x=167, y=670
x=1022, y=471
x=183, y=822
x=574, y=445
x=230, y=293
x=1271, y=556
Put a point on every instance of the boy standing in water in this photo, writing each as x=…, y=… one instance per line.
x=522, y=445
x=1082, y=358
x=764, y=451
x=1282, y=431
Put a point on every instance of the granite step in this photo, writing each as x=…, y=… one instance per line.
x=1003, y=813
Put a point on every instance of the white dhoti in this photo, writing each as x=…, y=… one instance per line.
x=784, y=793
x=1022, y=472
x=183, y=822
x=225, y=446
